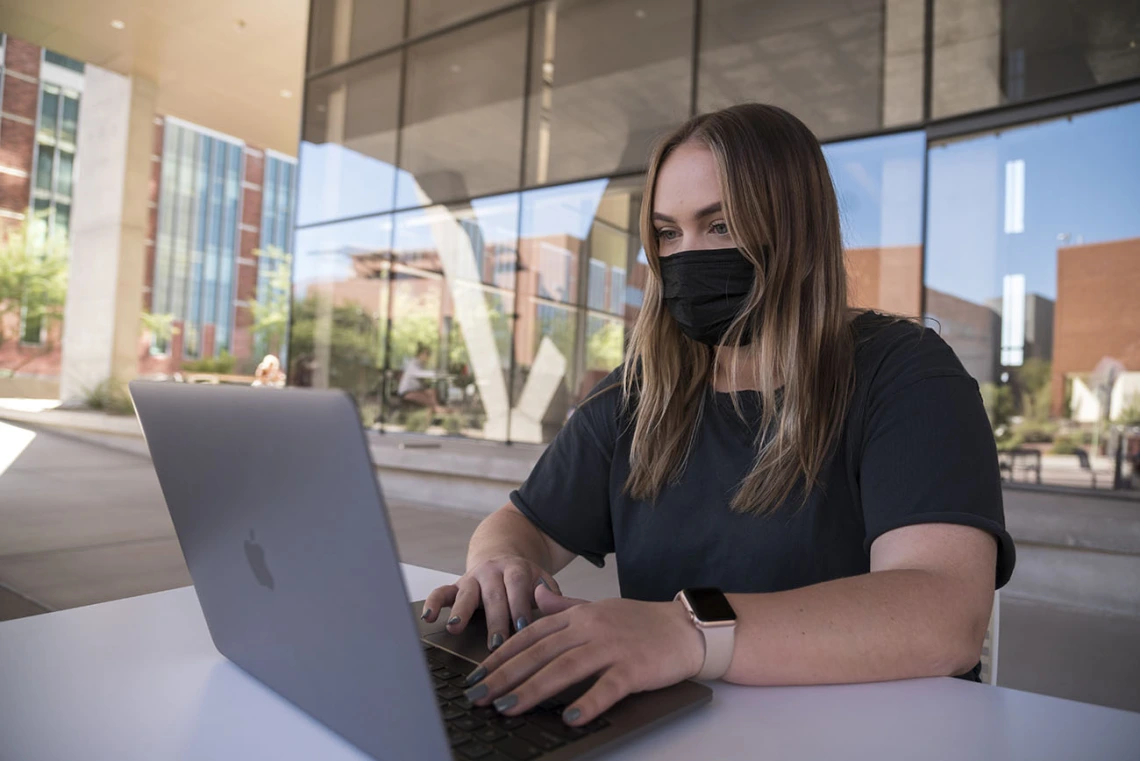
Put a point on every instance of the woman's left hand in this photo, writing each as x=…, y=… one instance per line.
x=631, y=646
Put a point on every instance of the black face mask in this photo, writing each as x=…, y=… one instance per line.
x=706, y=290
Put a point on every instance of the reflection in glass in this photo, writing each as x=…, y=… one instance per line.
x=340, y=309
x=1033, y=273
x=453, y=295
x=69, y=123
x=49, y=112
x=463, y=113
x=428, y=15
x=879, y=185
x=348, y=145
x=989, y=54
x=606, y=80
x=343, y=30
x=579, y=242
x=822, y=61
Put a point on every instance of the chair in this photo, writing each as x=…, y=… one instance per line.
x=990, y=644
x=1086, y=464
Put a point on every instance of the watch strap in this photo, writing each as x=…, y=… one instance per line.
x=720, y=640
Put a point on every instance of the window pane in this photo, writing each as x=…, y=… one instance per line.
x=227, y=266
x=821, y=60
x=879, y=185
x=66, y=172
x=69, y=126
x=1032, y=274
x=348, y=149
x=463, y=113
x=62, y=219
x=340, y=309
x=342, y=30
x=49, y=111
x=988, y=54
x=427, y=15
x=454, y=292
x=44, y=159
x=61, y=60
x=607, y=79
x=578, y=244
x=164, y=245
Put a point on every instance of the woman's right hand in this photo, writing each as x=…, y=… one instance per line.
x=503, y=585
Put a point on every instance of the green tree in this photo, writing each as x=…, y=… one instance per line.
x=605, y=347
x=270, y=310
x=161, y=328
x=353, y=354
x=1130, y=415
x=998, y=400
x=1032, y=382
x=33, y=275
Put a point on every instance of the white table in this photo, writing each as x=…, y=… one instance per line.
x=140, y=679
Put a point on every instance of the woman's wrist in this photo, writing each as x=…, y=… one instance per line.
x=691, y=642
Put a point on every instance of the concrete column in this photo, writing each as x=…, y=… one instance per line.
x=967, y=56
x=904, y=38
x=108, y=233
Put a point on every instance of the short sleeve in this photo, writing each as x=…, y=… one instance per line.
x=567, y=495
x=928, y=454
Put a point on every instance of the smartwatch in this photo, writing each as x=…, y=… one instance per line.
x=714, y=617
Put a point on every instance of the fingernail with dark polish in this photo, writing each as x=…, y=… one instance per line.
x=476, y=692
x=520, y=624
x=453, y=621
x=542, y=581
x=476, y=676
x=496, y=641
x=505, y=703
x=427, y=612
x=570, y=715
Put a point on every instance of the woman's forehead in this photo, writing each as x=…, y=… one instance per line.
x=687, y=181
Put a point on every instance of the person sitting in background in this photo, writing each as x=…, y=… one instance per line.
x=411, y=388
x=269, y=373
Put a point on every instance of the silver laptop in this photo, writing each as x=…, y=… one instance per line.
x=279, y=514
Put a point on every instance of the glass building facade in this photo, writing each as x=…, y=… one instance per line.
x=471, y=179
x=196, y=246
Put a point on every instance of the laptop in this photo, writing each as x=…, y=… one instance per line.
x=280, y=517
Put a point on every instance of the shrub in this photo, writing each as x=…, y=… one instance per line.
x=110, y=397
x=417, y=421
x=1066, y=444
x=223, y=364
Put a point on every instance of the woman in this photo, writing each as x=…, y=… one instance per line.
x=830, y=471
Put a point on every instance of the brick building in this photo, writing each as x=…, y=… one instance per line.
x=1098, y=310
x=213, y=201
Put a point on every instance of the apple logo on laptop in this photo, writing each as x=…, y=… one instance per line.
x=256, y=557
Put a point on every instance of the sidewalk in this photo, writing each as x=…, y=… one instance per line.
x=448, y=472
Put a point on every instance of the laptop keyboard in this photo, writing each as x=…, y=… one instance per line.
x=482, y=734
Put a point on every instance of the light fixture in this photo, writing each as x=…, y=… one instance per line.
x=456, y=68
x=640, y=13
x=117, y=24
x=286, y=93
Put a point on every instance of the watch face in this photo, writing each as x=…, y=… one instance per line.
x=710, y=605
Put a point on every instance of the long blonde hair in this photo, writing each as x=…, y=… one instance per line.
x=780, y=208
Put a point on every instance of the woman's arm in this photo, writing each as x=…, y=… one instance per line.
x=507, y=532
x=922, y=611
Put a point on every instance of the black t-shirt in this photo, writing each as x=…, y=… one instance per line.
x=916, y=448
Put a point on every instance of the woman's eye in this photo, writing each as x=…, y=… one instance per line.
x=666, y=234
x=720, y=228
